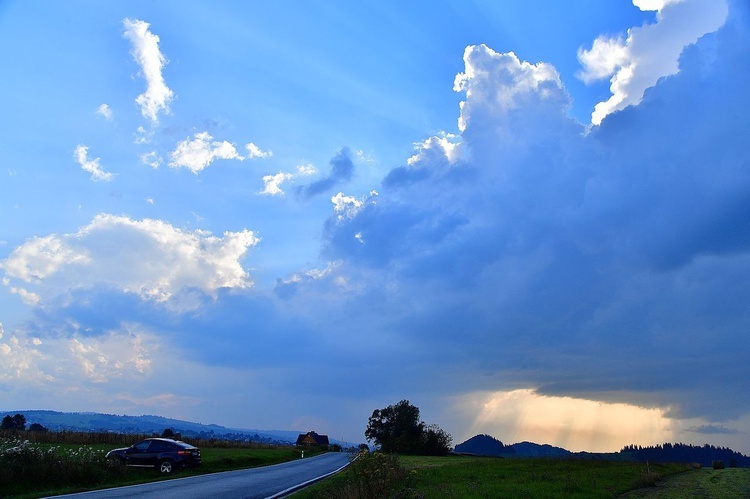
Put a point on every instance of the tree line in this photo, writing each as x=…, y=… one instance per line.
x=18, y=423
x=685, y=453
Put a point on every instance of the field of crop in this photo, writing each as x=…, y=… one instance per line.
x=475, y=477
x=29, y=470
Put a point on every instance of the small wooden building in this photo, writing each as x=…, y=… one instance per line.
x=311, y=438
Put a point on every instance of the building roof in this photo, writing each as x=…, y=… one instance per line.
x=312, y=438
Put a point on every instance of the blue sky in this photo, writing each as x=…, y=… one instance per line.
x=529, y=219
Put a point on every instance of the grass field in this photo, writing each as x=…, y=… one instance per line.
x=727, y=483
x=476, y=477
x=30, y=470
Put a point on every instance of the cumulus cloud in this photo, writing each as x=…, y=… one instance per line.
x=254, y=151
x=148, y=258
x=100, y=359
x=342, y=169
x=349, y=206
x=502, y=83
x=145, y=51
x=649, y=52
x=272, y=183
x=91, y=165
x=105, y=111
x=201, y=151
x=21, y=360
x=434, y=156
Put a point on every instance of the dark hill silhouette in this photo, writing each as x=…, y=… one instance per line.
x=682, y=453
x=530, y=449
x=484, y=445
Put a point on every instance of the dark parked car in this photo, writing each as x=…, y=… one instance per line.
x=162, y=454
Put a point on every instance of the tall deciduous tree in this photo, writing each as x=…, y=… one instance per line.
x=397, y=428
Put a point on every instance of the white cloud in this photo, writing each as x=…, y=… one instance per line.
x=198, y=153
x=27, y=297
x=145, y=51
x=57, y=361
x=442, y=148
x=650, y=5
x=254, y=151
x=92, y=166
x=20, y=360
x=606, y=56
x=501, y=83
x=649, y=52
x=272, y=183
x=149, y=258
x=151, y=159
x=349, y=206
x=113, y=355
x=105, y=111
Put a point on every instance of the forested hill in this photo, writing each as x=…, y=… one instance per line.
x=682, y=453
x=485, y=445
x=90, y=421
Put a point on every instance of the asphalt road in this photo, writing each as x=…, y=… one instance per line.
x=268, y=481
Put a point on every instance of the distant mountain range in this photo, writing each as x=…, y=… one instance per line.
x=485, y=445
x=92, y=421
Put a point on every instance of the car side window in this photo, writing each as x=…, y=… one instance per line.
x=142, y=446
x=159, y=446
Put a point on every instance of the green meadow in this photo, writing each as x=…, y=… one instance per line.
x=378, y=476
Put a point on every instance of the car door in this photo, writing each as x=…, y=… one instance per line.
x=142, y=454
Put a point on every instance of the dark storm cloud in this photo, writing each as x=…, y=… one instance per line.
x=611, y=265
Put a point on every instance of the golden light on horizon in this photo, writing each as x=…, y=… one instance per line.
x=573, y=423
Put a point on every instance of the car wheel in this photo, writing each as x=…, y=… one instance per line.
x=166, y=467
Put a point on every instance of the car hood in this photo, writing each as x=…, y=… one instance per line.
x=117, y=451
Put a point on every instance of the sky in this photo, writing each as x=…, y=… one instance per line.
x=529, y=219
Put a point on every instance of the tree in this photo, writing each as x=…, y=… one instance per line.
x=17, y=422
x=435, y=441
x=397, y=428
x=37, y=427
x=167, y=433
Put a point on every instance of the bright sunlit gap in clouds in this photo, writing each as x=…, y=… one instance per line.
x=572, y=423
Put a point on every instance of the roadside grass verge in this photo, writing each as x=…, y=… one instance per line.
x=29, y=470
x=480, y=477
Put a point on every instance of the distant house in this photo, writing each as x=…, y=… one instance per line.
x=311, y=438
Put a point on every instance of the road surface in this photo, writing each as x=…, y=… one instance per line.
x=268, y=481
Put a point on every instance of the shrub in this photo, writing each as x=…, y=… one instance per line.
x=370, y=476
x=718, y=465
x=28, y=466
